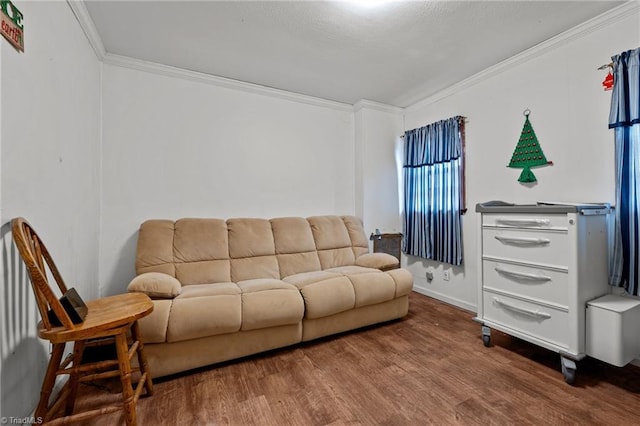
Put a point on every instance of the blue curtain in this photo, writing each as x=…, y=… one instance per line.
x=433, y=192
x=625, y=120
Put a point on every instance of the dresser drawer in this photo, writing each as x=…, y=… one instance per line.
x=543, y=322
x=533, y=221
x=530, y=246
x=528, y=281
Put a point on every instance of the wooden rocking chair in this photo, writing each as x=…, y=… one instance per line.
x=108, y=321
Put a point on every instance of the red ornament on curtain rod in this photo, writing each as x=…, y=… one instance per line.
x=607, y=84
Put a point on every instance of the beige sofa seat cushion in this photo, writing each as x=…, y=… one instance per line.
x=378, y=261
x=214, y=289
x=269, y=302
x=372, y=287
x=352, y=270
x=156, y=285
x=205, y=310
x=327, y=297
x=302, y=279
x=403, y=280
x=153, y=327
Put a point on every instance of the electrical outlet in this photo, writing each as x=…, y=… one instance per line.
x=429, y=276
x=445, y=275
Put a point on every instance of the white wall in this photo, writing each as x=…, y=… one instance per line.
x=176, y=148
x=50, y=175
x=569, y=113
x=377, y=128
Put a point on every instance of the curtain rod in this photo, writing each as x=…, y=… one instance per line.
x=605, y=66
x=461, y=116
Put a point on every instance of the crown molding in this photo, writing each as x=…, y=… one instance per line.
x=86, y=23
x=364, y=103
x=79, y=9
x=169, y=71
x=581, y=30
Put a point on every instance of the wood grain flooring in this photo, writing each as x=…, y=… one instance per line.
x=428, y=368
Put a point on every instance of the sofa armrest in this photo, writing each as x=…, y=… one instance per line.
x=156, y=285
x=382, y=261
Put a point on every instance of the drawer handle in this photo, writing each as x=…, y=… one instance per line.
x=524, y=311
x=524, y=275
x=524, y=222
x=523, y=241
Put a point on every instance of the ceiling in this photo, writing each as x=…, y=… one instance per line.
x=396, y=53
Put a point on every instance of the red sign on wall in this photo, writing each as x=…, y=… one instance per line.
x=11, y=26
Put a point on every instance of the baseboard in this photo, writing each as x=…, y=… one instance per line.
x=446, y=299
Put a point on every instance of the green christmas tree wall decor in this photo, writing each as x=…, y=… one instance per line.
x=528, y=153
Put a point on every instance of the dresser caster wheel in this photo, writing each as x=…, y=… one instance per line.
x=568, y=370
x=486, y=336
x=569, y=376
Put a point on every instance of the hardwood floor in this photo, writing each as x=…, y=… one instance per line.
x=429, y=368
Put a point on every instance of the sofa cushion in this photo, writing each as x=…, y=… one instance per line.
x=217, y=289
x=201, y=251
x=250, y=238
x=403, y=280
x=359, y=242
x=295, y=247
x=336, y=257
x=198, y=240
x=352, y=270
x=155, y=247
x=249, y=268
x=156, y=285
x=327, y=297
x=302, y=279
x=153, y=327
x=292, y=235
x=372, y=287
x=268, y=303
x=329, y=232
x=252, y=249
x=332, y=241
x=205, y=310
x=294, y=263
x=204, y=272
x=378, y=261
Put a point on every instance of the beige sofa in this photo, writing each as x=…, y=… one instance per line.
x=227, y=289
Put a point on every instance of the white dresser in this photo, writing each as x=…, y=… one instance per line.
x=538, y=267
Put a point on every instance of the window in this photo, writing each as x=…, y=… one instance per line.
x=625, y=119
x=434, y=191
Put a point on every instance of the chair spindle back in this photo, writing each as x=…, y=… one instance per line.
x=37, y=259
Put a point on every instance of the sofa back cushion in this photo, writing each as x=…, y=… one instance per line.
x=201, y=251
x=155, y=247
x=295, y=246
x=204, y=251
x=252, y=249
